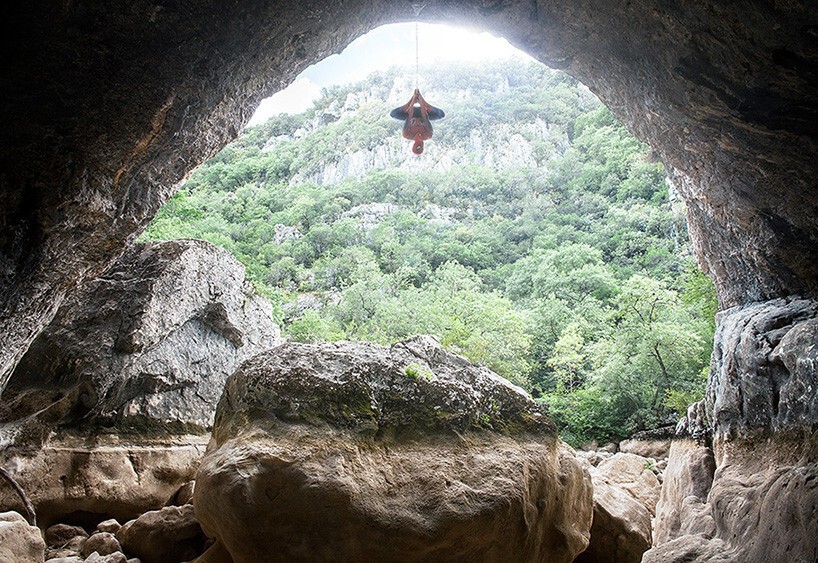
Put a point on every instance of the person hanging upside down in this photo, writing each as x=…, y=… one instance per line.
x=417, y=116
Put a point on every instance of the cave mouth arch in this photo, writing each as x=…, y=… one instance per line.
x=125, y=101
x=257, y=169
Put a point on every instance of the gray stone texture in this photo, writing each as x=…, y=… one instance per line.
x=764, y=371
x=148, y=343
x=354, y=451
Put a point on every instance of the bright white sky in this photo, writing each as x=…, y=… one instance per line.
x=380, y=49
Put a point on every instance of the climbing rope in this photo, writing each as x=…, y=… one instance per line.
x=417, y=7
x=417, y=114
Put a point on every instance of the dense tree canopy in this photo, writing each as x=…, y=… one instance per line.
x=539, y=239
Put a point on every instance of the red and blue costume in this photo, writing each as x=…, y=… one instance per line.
x=417, y=116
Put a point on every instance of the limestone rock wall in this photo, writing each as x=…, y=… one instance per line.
x=149, y=344
x=764, y=372
x=89, y=478
x=751, y=492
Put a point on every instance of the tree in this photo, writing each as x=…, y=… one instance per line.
x=568, y=359
x=658, y=345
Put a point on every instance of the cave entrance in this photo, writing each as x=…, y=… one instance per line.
x=127, y=101
x=535, y=236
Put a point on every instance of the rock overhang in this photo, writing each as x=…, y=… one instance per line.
x=102, y=124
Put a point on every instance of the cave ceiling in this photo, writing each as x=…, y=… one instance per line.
x=108, y=106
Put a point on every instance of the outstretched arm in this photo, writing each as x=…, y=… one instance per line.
x=435, y=113
x=399, y=113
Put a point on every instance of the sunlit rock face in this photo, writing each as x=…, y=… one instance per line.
x=101, y=125
x=354, y=452
x=147, y=346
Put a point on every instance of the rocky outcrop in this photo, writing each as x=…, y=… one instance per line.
x=653, y=444
x=19, y=542
x=682, y=508
x=131, y=363
x=625, y=494
x=159, y=536
x=753, y=493
x=761, y=507
x=351, y=452
x=764, y=375
x=95, y=479
x=149, y=344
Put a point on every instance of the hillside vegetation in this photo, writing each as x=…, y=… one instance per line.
x=534, y=236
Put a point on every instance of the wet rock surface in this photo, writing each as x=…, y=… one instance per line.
x=149, y=344
x=346, y=452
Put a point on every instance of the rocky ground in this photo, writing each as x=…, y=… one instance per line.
x=339, y=452
x=625, y=492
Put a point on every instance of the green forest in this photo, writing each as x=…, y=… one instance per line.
x=534, y=236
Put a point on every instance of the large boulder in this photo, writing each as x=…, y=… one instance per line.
x=653, y=443
x=19, y=542
x=103, y=543
x=762, y=408
x=149, y=343
x=682, y=508
x=634, y=475
x=764, y=373
x=625, y=494
x=107, y=414
x=169, y=535
x=63, y=541
x=353, y=451
x=621, y=527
